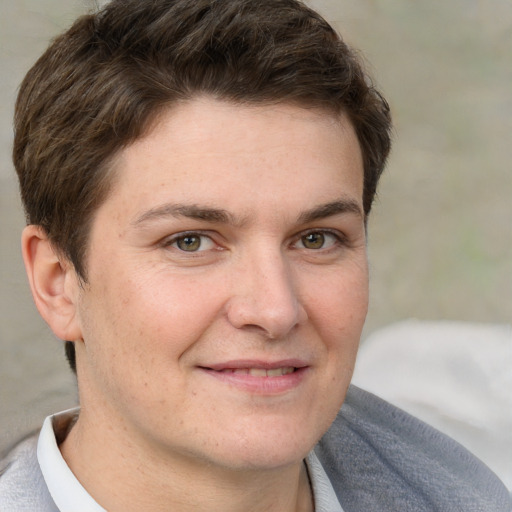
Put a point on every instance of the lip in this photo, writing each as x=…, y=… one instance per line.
x=273, y=384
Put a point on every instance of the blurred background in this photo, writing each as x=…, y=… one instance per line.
x=440, y=237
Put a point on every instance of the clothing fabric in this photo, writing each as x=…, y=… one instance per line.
x=324, y=496
x=64, y=488
x=374, y=458
x=381, y=459
x=455, y=376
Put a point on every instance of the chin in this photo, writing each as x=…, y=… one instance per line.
x=268, y=458
x=271, y=446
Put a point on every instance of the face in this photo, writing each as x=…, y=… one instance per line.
x=226, y=285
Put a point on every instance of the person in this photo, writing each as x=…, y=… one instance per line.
x=197, y=177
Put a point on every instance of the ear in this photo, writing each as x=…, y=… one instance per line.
x=54, y=284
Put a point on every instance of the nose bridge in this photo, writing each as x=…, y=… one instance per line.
x=265, y=293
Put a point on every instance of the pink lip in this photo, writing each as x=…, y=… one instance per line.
x=264, y=385
x=256, y=363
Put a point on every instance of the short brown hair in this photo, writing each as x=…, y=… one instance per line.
x=98, y=87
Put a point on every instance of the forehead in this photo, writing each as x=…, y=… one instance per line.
x=208, y=150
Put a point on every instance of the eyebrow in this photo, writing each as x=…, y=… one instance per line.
x=341, y=206
x=219, y=215
x=190, y=211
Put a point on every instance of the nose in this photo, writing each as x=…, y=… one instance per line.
x=265, y=297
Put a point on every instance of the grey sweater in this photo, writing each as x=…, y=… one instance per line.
x=381, y=459
x=378, y=458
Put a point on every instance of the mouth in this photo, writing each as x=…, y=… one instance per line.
x=260, y=372
x=259, y=377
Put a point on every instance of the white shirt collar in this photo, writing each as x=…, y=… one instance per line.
x=69, y=495
x=65, y=490
x=325, y=498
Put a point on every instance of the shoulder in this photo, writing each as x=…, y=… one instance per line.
x=22, y=486
x=380, y=458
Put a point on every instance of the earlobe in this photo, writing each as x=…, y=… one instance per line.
x=53, y=282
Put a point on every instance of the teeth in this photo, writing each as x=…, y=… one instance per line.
x=276, y=372
x=261, y=372
x=258, y=372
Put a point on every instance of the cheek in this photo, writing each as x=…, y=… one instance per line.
x=338, y=317
x=339, y=304
x=141, y=315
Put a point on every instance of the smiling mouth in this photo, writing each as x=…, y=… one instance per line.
x=259, y=377
x=260, y=372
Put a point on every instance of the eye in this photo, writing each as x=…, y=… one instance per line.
x=315, y=240
x=191, y=242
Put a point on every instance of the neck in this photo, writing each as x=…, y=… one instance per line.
x=141, y=479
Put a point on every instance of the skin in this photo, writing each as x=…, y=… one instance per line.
x=233, y=239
